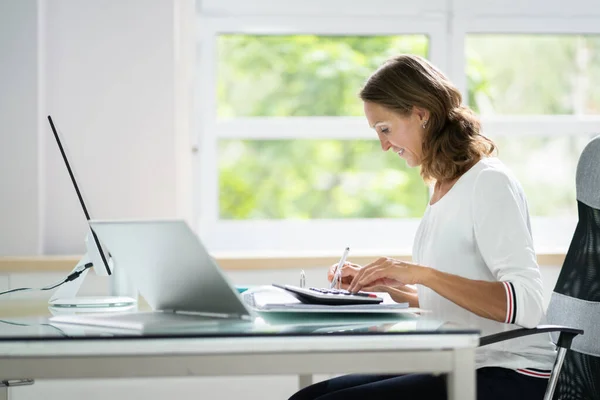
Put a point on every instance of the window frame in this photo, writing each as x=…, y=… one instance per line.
x=447, y=32
x=288, y=235
x=551, y=234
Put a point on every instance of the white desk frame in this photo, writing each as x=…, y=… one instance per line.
x=452, y=354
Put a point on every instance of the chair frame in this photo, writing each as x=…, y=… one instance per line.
x=563, y=344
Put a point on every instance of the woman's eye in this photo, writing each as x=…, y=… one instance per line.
x=385, y=131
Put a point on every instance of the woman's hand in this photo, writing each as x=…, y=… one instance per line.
x=386, y=272
x=484, y=298
x=349, y=271
x=403, y=294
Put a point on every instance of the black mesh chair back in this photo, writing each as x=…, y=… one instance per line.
x=575, y=301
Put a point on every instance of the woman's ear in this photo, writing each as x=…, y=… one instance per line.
x=421, y=113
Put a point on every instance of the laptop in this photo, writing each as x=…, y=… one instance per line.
x=172, y=271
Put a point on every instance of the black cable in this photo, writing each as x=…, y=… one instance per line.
x=74, y=275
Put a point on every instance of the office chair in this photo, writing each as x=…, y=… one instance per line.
x=575, y=303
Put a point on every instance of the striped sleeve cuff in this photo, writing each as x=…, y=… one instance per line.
x=536, y=373
x=511, y=303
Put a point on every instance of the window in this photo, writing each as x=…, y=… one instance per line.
x=286, y=160
x=298, y=168
x=545, y=166
x=309, y=76
x=533, y=74
x=316, y=179
x=537, y=74
x=301, y=75
x=534, y=88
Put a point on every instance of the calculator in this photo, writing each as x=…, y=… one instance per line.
x=332, y=297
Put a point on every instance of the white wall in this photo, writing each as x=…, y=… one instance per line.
x=108, y=72
x=110, y=86
x=19, y=94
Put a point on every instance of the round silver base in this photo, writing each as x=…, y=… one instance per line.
x=93, y=302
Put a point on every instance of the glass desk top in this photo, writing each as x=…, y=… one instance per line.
x=33, y=320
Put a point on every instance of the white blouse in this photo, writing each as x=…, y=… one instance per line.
x=480, y=230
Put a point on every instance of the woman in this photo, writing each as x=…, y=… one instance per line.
x=474, y=262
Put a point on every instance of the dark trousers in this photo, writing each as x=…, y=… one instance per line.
x=492, y=384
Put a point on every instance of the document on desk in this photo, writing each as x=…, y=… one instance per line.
x=342, y=308
x=272, y=299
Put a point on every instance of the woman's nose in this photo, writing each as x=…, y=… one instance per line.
x=385, y=145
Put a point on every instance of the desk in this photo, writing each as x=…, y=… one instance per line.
x=409, y=344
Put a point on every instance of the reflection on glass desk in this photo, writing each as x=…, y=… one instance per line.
x=34, y=323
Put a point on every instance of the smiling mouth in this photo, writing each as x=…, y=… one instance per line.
x=400, y=152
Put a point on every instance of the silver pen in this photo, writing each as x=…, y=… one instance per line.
x=302, y=279
x=338, y=272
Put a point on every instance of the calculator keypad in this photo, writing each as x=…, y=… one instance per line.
x=339, y=292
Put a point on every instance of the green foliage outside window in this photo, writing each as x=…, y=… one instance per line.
x=283, y=76
x=306, y=75
x=537, y=75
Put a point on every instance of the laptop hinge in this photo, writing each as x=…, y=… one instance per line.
x=208, y=314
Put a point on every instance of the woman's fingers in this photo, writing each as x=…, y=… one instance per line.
x=376, y=288
x=395, y=294
x=349, y=270
x=385, y=281
x=331, y=272
x=368, y=277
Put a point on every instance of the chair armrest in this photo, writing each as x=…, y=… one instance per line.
x=564, y=340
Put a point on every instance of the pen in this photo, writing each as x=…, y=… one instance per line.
x=302, y=279
x=338, y=272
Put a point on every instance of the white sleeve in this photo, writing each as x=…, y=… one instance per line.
x=501, y=228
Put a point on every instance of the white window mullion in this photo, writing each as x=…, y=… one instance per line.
x=320, y=8
x=265, y=128
x=439, y=53
x=322, y=235
x=457, y=69
x=550, y=125
x=289, y=25
x=262, y=128
x=528, y=25
x=207, y=192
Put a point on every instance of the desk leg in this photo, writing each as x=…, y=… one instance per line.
x=3, y=392
x=303, y=381
x=461, y=381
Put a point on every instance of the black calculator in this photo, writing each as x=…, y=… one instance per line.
x=332, y=297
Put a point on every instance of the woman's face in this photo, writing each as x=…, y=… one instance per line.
x=402, y=134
